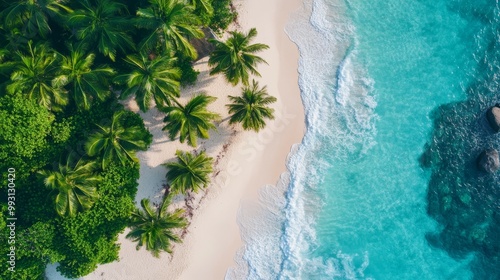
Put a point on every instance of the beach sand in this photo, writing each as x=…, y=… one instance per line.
x=245, y=161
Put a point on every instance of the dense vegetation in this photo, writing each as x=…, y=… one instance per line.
x=63, y=66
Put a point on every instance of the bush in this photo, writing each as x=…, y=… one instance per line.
x=223, y=15
x=35, y=248
x=24, y=129
x=89, y=239
x=188, y=74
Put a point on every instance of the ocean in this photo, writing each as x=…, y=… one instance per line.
x=384, y=183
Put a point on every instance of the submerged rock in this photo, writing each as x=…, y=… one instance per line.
x=488, y=161
x=493, y=116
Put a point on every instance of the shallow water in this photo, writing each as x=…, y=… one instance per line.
x=384, y=185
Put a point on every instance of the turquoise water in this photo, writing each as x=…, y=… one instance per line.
x=383, y=185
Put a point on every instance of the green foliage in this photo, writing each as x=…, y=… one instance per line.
x=33, y=74
x=235, y=57
x=61, y=131
x=191, y=121
x=188, y=73
x=170, y=24
x=189, y=172
x=204, y=6
x=12, y=39
x=35, y=247
x=89, y=238
x=103, y=25
x=151, y=79
x=83, y=122
x=37, y=203
x=118, y=140
x=203, y=9
x=119, y=181
x=85, y=82
x=223, y=15
x=155, y=228
x=32, y=17
x=251, y=108
x=53, y=101
x=24, y=129
x=74, y=184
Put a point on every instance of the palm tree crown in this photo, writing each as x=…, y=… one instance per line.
x=190, y=121
x=86, y=83
x=75, y=184
x=235, y=57
x=204, y=5
x=151, y=79
x=154, y=228
x=103, y=25
x=189, y=172
x=172, y=23
x=116, y=141
x=250, y=109
x=33, y=16
x=33, y=74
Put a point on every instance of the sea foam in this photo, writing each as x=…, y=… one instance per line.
x=279, y=233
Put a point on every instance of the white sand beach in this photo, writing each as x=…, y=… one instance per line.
x=245, y=161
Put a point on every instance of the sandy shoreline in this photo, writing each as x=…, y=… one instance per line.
x=246, y=161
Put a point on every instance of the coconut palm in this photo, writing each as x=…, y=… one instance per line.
x=85, y=82
x=6, y=66
x=33, y=74
x=190, y=121
x=152, y=79
x=116, y=141
x=189, y=173
x=171, y=23
x=12, y=39
x=75, y=183
x=33, y=16
x=204, y=5
x=104, y=25
x=155, y=228
x=250, y=109
x=236, y=57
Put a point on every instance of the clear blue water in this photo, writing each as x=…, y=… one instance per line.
x=383, y=185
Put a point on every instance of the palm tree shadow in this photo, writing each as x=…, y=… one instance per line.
x=217, y=137
x=203, y=81
x=146, y=189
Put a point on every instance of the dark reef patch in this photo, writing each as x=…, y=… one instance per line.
x=464, y=200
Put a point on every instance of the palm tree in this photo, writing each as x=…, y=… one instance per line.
x=235, y=57
x=6, y=66
x=154, y=228
x=12, y=39
x=151, y=79
x=250, y=109
x=116, y=141
x=33, y=16
x=189, y=172
x=103, y=25
x=190, y=121
x=75, y=184
x=86, y=83
x=171, y=24
x=33, y=74
x=204, y=5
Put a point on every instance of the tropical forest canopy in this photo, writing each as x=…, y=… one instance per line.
x=63, y=67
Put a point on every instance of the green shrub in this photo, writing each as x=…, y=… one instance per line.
x=89, y=239
x=24, y=128
x=223, y=15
